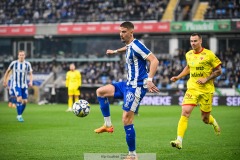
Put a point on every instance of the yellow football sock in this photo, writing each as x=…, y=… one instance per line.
x=182, y=126
x=70, y=102
x=212, y=121
x=76, y=99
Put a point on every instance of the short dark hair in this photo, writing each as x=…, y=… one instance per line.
x=127, y=25
x=197, y=34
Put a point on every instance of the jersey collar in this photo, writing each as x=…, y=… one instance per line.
x=199, y=51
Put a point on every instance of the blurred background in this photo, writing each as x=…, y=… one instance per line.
x=55, y=33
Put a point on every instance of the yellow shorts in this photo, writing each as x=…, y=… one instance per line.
x=73, y=91
x=204, y=100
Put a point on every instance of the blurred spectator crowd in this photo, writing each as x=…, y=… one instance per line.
x=55, y=11
x=100, y=73
x=59, y=11
x=223, y=9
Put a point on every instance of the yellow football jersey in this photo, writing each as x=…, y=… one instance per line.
x=201, y=65
x=73, y=79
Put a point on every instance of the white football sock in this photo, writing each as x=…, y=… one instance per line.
x=107, y=121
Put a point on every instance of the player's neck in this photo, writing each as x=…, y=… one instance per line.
x=127, y=43
x=198, y=50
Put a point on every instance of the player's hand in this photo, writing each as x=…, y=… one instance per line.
x=109, y=52
x=4, y=84
x=174, y=79
x=202, y=80
x=30, y=84
x=151, y=87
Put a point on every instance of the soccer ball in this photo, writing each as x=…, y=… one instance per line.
x=81, y=108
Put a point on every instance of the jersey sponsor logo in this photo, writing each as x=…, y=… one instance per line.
x=200, y=68
x=195, y=74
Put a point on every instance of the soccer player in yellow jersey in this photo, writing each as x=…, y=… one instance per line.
x=73, y=83
x=203, y=66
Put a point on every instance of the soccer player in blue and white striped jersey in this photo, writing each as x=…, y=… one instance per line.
x=11, y=97
x=20, y=69
x=133, y=90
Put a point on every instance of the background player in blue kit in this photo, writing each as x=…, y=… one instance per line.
x=131, y=91
x=20, y=69
x=11, y=96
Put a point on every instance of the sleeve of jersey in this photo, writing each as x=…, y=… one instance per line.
x=29, y=67
x=67, y=77
x=11, y=65
x=80, y=79
x=215, y=60
x=186, y=58
x=141, y=49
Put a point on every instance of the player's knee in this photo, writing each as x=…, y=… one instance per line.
x=24, y=101
x=19, y=99
x=100, y=92
x=205, y=120
x=127, y=120
x=186, y=114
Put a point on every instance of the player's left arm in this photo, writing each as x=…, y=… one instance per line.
x=79, y=80
x=30, y=79
x=152, y=70
x=216, y=72
x=120, y=50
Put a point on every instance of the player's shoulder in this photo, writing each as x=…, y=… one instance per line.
x=14, y=61
x=189, y=53
x=207, y=51
x=76, y=71
x=27, y=62
x=137, y=42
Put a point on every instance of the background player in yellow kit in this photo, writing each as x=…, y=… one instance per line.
x=73, y=83
x=203, y=66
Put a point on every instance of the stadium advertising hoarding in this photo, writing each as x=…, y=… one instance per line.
x=201, y=26
x=166, y=99
x=177, y=100
x=18, y=30
x=236, y=25
x=112, y=28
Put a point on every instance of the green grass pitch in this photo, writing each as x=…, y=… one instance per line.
x=51, y=133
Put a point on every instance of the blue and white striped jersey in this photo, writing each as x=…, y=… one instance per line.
x=136, y=55
x=19, y=73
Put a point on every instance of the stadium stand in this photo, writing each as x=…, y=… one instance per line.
x=218, y=9
x=56, y=11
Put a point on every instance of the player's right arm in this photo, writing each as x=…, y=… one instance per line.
x=6, y=76
x=184, y=72
x=120, y=50
x=67, y=79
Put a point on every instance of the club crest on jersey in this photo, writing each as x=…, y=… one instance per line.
x=130, y=61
